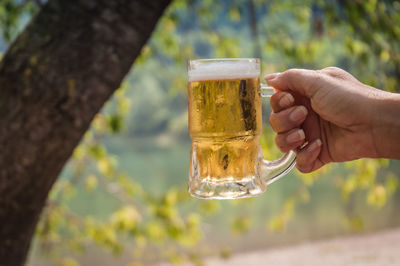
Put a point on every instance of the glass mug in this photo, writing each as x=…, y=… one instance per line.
x=225, y=124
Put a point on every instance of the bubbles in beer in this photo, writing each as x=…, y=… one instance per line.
x=225, y=126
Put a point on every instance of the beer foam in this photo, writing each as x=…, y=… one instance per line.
x=224, y=70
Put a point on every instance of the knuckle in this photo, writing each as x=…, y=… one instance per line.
x=335, y=72
x=331, y=69
x=276, y=96
x=274, y=100
x=279, y=101
x=292, y=73
x=281, y=122
x=307, y=79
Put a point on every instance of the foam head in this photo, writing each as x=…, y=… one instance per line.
x=224, y=69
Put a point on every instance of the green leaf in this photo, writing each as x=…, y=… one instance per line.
x=277, y=224
x=377, y=196
x=125, y=219
x=241, y=224
x=106, y=166
x=210, y=207
x=115, y=123
x=234, y=14
x=155, y=232
x=97, y=150
x=91, y=182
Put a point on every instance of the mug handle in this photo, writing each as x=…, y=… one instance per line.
x=274, y=170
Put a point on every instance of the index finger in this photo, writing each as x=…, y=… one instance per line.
x=302, y=81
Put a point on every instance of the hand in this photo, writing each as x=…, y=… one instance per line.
x=330, y=110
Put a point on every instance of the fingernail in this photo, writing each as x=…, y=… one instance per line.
x=314, y=146
x=298, y=113
x=286, y=100
x=295, y=136
x=271, y=76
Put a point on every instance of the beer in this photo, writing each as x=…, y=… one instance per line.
x=225, y=125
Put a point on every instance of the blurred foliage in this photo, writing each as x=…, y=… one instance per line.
x=361, y=37
x=142, y=217
x=14, y=15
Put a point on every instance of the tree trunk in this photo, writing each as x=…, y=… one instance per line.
x=53, y=79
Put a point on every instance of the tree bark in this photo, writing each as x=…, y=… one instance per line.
x=53, y=79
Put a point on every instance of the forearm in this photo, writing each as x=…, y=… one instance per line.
x=386, y=126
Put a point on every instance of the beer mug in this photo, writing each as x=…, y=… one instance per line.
x=225, y=124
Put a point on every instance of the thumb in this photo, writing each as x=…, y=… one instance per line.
x=302, y=81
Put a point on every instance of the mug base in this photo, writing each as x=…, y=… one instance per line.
x=244, y=188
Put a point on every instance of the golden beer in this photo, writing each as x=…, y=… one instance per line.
x=225, y=126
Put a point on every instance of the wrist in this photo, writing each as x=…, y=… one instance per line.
x=386, y=125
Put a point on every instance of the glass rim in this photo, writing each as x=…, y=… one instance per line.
x=245, y=59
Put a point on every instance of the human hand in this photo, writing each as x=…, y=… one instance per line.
x=330, y=110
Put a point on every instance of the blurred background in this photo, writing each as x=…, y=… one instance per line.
x=122, y=198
